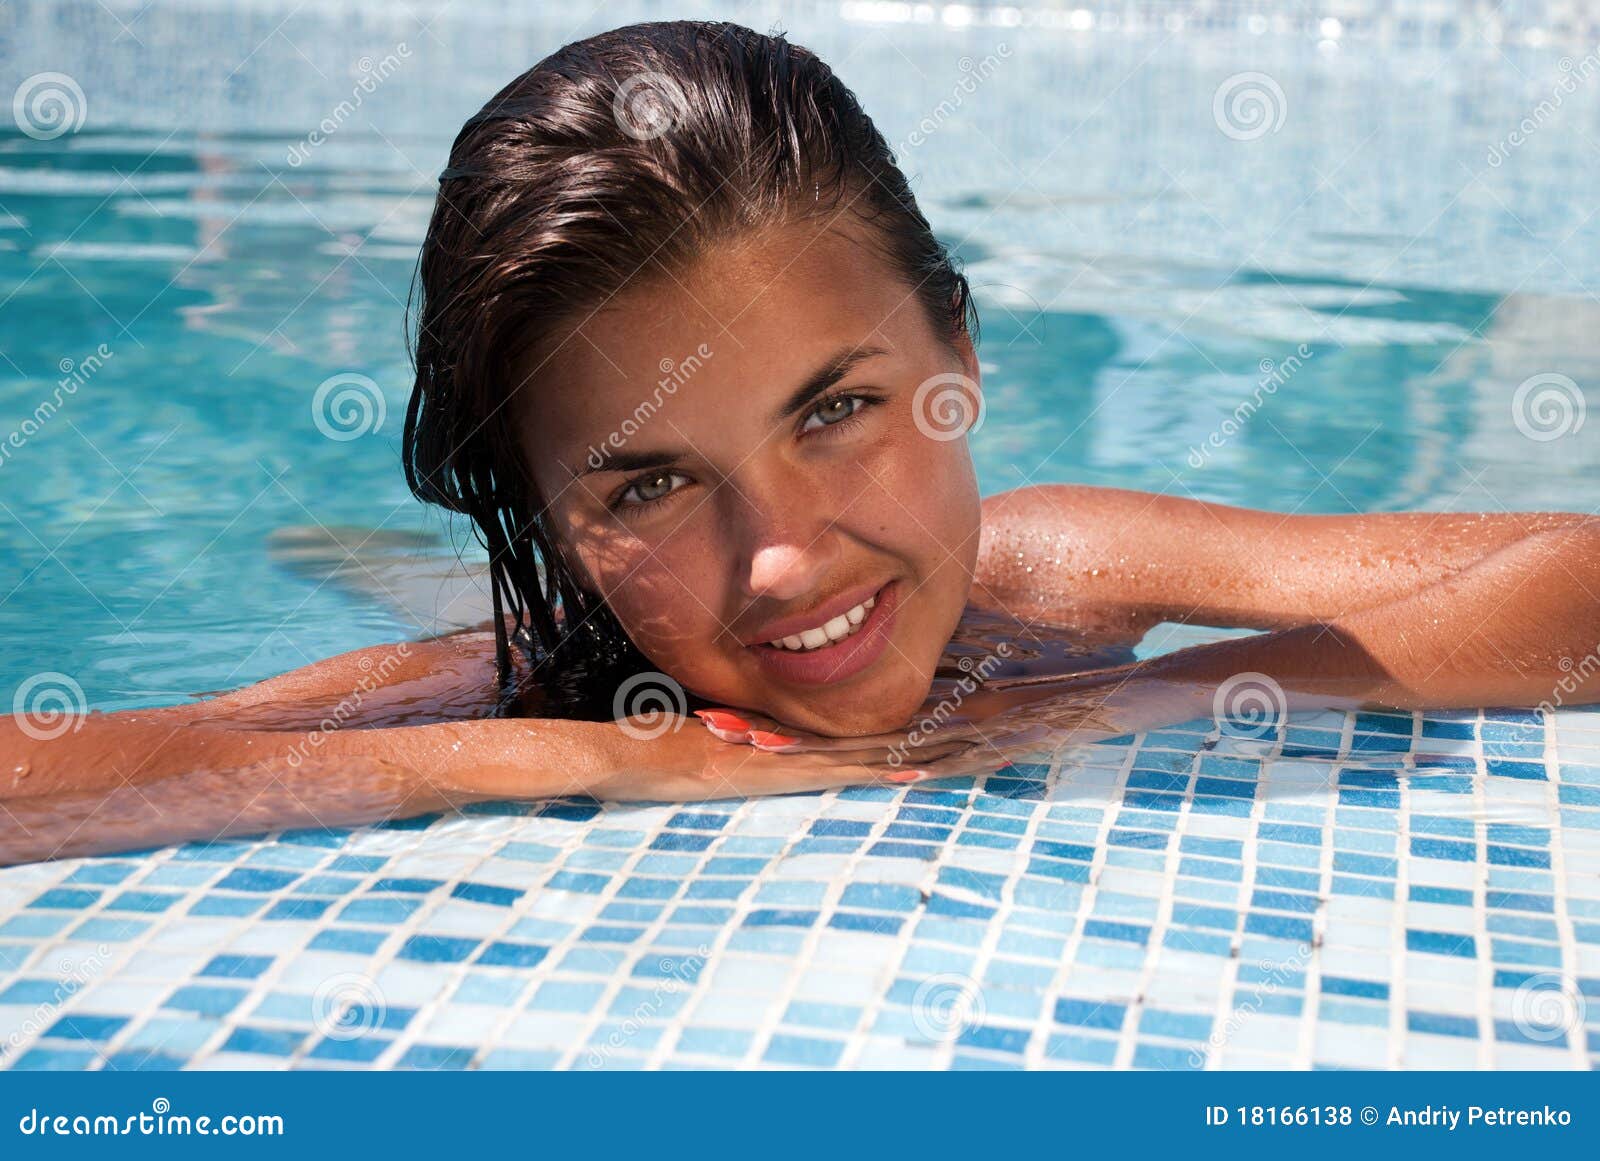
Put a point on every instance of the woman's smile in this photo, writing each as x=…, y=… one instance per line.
x=850, y=641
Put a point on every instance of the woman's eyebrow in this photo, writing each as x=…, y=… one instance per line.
x=824, y=377
x=819, y=381
x=626, y=461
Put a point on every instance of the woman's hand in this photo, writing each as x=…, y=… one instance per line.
x=995, y=724
x=687, y=763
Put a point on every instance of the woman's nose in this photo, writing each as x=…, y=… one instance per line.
x=785, y=570
x=790, y=548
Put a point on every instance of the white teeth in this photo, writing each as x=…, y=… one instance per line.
x=837, y=629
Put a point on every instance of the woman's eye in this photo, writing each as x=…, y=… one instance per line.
x=650, y=488
x=835, y=410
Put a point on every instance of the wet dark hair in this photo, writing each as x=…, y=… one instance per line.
x=619, y=156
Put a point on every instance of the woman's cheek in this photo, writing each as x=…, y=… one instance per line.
x=661, y=599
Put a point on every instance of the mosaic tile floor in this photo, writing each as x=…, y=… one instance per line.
x=1356, y=890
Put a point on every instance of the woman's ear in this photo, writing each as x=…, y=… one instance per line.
x=969, y=357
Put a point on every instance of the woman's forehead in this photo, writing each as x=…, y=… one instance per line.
x=752, y=321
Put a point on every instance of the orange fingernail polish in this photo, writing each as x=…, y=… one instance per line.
x=908, y=776
x=722, y=719
x=768, y=738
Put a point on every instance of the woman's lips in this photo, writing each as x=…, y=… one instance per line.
x=842, y=659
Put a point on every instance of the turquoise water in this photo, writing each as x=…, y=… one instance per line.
x=195, y=271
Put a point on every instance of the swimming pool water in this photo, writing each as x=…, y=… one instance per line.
x=1350, y=890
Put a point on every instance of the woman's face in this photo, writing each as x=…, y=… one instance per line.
x=749, y=452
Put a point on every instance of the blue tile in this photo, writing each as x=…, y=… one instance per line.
x=86, y=1027
x=250, y=879
x=237, y=967
x=347, y=939
x=803, y=1050
x=485, y=893
x=206, y=1000
x=264, y=1041
x=1441, y=943
x=437, y=949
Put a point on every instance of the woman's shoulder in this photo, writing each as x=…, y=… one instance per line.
x=1064, y=511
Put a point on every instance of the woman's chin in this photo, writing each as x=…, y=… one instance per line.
x=887, y=712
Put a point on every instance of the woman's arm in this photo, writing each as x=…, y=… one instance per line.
x=1121, y=561
x=450, y=676
x=322, y=747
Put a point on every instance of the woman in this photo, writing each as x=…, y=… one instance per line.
x=694, y=364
